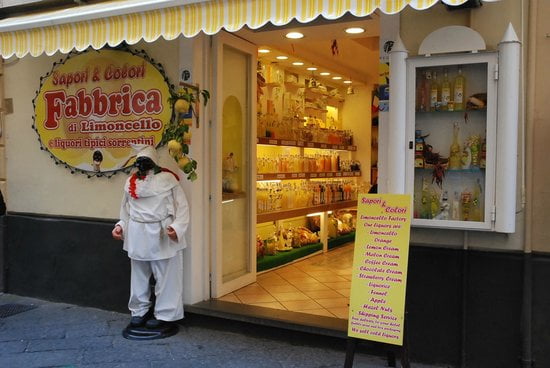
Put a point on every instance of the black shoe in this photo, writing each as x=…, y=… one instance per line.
x=139, y=321
x=155, y=324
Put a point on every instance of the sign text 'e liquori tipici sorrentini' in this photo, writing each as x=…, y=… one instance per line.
x=93, y=105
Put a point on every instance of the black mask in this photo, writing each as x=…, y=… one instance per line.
x=144, y=164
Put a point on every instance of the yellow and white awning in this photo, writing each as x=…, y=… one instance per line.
x=114, y=22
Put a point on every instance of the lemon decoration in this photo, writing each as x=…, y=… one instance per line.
x=174, y=148
x=177, y=136
x=181, y=106
x=184, y=160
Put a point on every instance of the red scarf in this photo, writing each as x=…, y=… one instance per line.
x=135, y=176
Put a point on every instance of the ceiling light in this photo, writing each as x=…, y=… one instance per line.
x=312, y=68
x=324, y=73
x=347, y=82
x=264, y=51
x=355, y=30
x=336, y=78
x=298, y=63
x=282, y=57
x=294, y=35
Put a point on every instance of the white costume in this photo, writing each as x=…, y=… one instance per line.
x=149, y=206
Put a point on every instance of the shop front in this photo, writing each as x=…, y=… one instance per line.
x=293, y=130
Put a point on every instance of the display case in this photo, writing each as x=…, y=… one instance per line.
x=451, y=128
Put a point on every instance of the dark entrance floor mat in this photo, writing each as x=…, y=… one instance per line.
x=7, y=310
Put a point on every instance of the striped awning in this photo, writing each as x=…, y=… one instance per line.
x=66, y=31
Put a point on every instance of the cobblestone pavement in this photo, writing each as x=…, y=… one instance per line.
x=63, y=335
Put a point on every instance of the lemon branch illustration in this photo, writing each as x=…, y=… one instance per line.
x=186, y=102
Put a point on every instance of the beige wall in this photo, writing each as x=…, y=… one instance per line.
x=490, y=21
x=35, y=183
x=415, y=25
x=357, y=117
x=539, y=147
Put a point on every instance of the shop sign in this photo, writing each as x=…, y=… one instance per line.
x=92, y=106
x=379, y=278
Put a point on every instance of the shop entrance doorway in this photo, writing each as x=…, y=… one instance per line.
x=315, y=148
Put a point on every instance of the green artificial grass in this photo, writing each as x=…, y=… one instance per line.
x=342, y=239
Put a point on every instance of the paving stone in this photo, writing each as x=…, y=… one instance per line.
x=125, y=355
x=31, y=333
x=41, y=359
x=7, y=347
x=141, y=364
x=85, y=343
x=100, y=328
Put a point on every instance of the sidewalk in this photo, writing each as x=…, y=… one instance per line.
x=63, y=335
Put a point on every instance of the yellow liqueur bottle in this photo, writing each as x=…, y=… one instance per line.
x=459, y=90
x=425, y=209
x=476, y=212
x=435, y=94
x=445, y=91
x=455, y=153
x=426, y=87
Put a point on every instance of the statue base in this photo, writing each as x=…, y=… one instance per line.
x=143, y=333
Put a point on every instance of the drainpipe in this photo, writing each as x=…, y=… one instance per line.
x=3, y=253
x=527, y=300
x=397, y=118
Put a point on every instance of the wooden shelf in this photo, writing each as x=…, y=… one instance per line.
x=294, y=85
x=307, y=175
x=484, y=110
x=274, y=216
x=334, y=101
x=315, y=109
x=470, y=170
x=316, y=92
x=295, y=143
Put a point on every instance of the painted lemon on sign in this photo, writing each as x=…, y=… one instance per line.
x=94, y=105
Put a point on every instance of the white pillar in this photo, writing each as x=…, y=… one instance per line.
x=389, y=29
x=509, y=50
x=397, y=119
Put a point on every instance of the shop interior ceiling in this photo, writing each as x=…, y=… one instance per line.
x=356, y=57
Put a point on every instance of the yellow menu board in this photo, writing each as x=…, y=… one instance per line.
x=378, y=286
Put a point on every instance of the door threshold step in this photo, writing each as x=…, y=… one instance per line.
x=303, y=322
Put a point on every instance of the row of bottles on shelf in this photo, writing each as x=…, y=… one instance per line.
x=276, y=195
x=435, y=95
x=322, y=162
x=472, y=153
x=309, y=129
x=465, y=205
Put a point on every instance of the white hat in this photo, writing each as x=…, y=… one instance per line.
x=145, y=150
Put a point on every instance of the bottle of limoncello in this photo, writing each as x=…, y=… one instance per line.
x=459, y=90
x=445, y=91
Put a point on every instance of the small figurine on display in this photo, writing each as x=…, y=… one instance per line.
x=444, y=209
x=154, y=217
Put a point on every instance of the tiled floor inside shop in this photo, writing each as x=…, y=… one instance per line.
x=317, y=285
